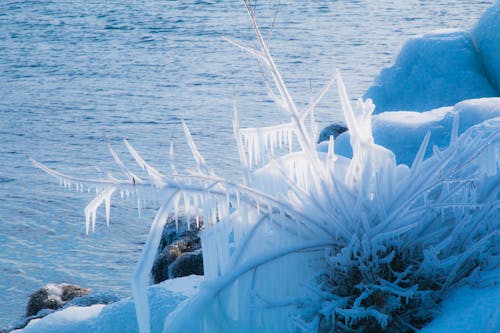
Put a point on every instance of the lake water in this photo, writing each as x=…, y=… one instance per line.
x=76, y=74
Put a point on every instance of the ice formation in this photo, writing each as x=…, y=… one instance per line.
x=442, y=68
x=403, y=131
x=486, y=36
x=271, y=247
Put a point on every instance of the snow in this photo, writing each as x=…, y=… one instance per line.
x=468, y=310
x=120, y=316
x=437, y=69
x=403, y=131
x=486, y=36
x=72, y=319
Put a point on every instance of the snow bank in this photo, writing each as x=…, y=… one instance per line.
x=120, y=316
x=402, y=132
x=486, y=37
x=468, y=310
x=437, y=69
x=72, y=319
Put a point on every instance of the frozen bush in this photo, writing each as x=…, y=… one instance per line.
x=315, y=241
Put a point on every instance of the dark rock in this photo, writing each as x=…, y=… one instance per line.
x=161, y=264
x=187, y=264
x=53, y=296
x=71, y=291
x=333, y=129
x=174, y=245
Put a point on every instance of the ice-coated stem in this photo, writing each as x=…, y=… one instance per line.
x=140, y=282
x=179, y=319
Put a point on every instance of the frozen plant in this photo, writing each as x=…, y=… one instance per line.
x=314, y=241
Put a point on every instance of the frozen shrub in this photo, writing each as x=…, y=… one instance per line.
x=359, y=244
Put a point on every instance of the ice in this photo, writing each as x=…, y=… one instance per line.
x=200, y=161
x=468, y=309
x=142, y=271
x=155, y=175
x=119, y=316
x=403, y=131
x=91, y=209
x=434, y=70
x=486, y=36
x=73, y=319
x=263, y=141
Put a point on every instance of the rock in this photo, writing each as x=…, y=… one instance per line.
x=53, y=296
x=187, y=264
x=161, y=264
x=176, y=245
x=333, y=129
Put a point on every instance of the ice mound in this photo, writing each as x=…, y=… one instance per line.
x=437, y=69
x=486, y=36
x=468, y=310
x=403, y=131
x=119, y=316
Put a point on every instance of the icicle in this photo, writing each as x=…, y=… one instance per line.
x=87, y=221
x=175, y=206
x=93, y=216
x=421, y=152
x=107, y=202
x=200, y=161
x=142, y=270
x=262, y=141
x=187, y=209
x=171, y=156
x=131, y=176
x=153, y=174
x=331, y=155
x=139, y=203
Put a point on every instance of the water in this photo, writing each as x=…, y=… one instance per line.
x=76, y=74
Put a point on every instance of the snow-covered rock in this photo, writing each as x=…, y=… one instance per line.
x=120, y=316
x=486, y=37
x=332, y=130
x=437, y=69
x=53, y=296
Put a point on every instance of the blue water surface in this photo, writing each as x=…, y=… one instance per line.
x=77, y=74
